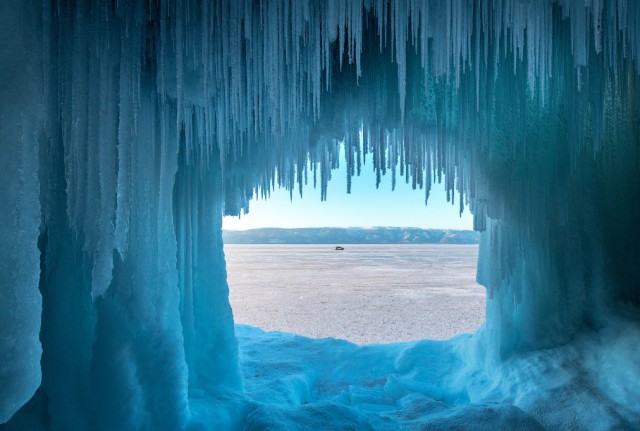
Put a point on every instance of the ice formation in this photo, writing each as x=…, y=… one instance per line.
x=129, y=127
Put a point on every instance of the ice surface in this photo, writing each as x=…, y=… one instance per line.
x=127, y=128
x=296, y=383
x=368, y=293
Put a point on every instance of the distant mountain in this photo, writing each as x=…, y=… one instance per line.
x=352, y=235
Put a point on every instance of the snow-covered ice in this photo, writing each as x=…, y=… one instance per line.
x=373, y=293
x=295, y=383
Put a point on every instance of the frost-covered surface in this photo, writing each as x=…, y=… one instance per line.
x=297, y=383
x=374, y=293
x=128, y=127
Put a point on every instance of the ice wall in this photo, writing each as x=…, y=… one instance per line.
x=20, y=133
x=129, y=127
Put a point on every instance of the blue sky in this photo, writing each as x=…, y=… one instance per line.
x=366, y=206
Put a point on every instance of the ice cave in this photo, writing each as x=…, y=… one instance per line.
x=128, y=128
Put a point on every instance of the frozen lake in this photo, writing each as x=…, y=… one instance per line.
x=367, y=293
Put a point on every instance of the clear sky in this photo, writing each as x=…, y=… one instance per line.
x=366, y=206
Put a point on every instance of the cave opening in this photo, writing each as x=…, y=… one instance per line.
x=129, y=128
x=403, y=271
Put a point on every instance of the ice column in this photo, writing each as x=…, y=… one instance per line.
x=20, y=134
x=207, y=321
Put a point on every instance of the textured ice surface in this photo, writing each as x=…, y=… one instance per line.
x=128, y=127
x=20, y=129
x=301, y=383
x=365, y=294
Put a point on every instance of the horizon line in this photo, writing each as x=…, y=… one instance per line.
x=347, y=227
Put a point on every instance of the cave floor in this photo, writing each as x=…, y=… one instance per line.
x=299, y=383
x=302, y=383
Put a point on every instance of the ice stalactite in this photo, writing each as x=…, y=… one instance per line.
x=108, y=165
x=138, y=358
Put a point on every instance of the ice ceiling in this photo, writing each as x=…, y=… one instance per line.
x=129, y=127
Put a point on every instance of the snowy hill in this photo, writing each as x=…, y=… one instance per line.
x=331, y=235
